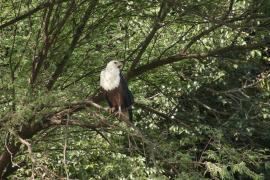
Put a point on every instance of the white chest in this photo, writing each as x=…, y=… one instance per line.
x=109, y=79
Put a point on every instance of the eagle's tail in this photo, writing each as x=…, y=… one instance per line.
x=130, y=115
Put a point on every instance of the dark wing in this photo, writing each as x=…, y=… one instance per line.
x=127, y=95
x=108, y=100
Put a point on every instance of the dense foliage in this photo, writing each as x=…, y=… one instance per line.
x=199, y=71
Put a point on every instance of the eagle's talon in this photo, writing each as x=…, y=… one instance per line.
x=111, y=110
x=118, y=113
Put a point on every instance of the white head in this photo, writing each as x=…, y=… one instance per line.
x=114, y=64
x=110, y=76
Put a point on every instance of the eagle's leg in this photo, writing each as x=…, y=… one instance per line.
x=119, y=112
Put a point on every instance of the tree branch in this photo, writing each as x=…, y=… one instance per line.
x=57, y=118
x=160, y=114
x=30, y=13
x=178, y=57
x=157, y=25
x=48, y=41
x=76, y=37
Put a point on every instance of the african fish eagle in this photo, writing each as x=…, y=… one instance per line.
x=115, y=89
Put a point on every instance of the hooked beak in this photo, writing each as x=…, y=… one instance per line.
x=120, y=65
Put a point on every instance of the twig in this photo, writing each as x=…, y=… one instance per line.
x=11, y=154
x=65, y=149
x=29, y=149
x=205, y=148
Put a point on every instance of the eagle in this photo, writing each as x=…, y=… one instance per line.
x=115, y=89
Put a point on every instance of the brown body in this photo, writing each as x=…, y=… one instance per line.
x=115, y=98
x=120, y=102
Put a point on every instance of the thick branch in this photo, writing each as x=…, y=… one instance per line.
x=58, y=118
x=178, y=57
